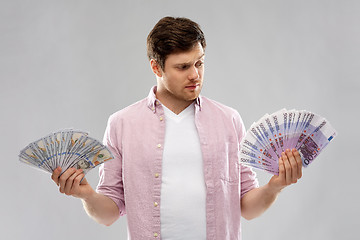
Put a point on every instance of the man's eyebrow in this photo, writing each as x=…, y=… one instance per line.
x=203, y=55
x=189, y=63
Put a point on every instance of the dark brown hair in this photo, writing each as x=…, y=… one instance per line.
x=172, y=35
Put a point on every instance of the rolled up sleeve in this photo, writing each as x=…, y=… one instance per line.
x=248, y=179
x=111, y=182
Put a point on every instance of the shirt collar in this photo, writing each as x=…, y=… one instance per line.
x=153, y=102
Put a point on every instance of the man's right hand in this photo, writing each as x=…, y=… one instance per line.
x=100, y=207
x=72, y=183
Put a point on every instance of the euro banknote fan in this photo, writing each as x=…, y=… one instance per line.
x=267, y=138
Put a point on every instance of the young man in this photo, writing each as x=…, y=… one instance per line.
x=176, y=172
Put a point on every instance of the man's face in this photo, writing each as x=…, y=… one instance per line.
x=182, y=76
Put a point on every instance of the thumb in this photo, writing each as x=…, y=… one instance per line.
x=83, y=181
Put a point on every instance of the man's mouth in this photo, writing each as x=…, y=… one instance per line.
x=192, y=86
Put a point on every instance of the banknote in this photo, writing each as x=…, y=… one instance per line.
x=66, y=148
x=272, y=134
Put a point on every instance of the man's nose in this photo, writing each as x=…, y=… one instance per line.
x=194, y=73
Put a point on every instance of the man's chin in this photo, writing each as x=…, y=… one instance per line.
x=192, y=98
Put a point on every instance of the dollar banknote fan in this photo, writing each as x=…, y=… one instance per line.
x=267, y=138
x=65, y=148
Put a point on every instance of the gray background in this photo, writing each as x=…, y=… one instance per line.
x=73, y=63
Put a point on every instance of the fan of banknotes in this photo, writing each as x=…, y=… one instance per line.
x=66, y=148
x=267, y=138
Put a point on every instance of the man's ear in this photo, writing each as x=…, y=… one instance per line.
x=155, y=67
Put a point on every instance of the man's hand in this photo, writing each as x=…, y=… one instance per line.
x=72, y=183
x=290, y=170
x=257, y=200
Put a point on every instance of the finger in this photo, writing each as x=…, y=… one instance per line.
x=70, y=181
x=64, y=177
x=79, y=179
x=55, y=175
x=298, y=162
x=282, y=173
x=287, y=168
x=293, y=164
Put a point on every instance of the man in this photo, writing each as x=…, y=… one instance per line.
x=176, y=172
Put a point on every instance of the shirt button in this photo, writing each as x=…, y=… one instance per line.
x=156, y=175
x=159, y=145
x=155, y=234
x=153, y=108
x=161, y=118
x=156, y=204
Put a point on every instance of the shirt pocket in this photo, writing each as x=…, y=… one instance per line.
x=227, y=161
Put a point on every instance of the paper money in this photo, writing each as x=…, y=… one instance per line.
x=267, y=138
x=66, y=148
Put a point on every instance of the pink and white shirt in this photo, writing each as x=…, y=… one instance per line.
x=136, y=136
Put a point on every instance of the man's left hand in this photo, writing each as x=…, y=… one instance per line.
x=290, y=170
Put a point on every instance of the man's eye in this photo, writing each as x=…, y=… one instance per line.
x=183, y=67
x=199, y=64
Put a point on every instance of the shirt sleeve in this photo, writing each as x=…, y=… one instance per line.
x=111, y=183
x=248, y=179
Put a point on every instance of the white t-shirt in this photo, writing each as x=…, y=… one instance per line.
x=183, y=193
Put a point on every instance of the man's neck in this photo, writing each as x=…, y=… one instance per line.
x=175, y=105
